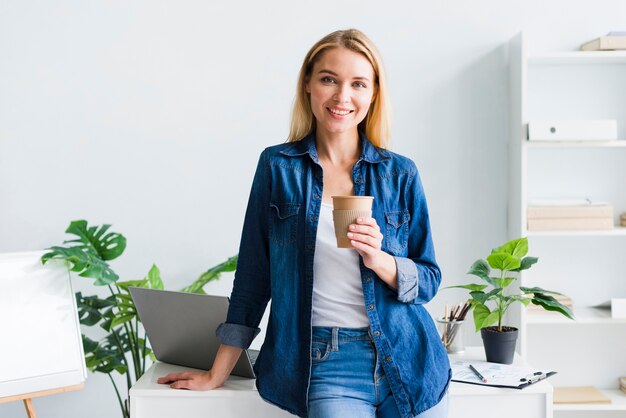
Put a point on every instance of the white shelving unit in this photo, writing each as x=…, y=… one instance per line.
x=589, y=266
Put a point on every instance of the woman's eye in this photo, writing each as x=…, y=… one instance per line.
x=360, y=85
x=327, y=80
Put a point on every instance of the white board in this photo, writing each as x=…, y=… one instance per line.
x=40, y=341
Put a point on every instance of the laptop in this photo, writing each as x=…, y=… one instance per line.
x=181, y=328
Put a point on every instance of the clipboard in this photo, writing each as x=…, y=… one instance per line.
x=497, y=375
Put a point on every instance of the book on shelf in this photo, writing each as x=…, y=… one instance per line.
x=579, y=394
x=609, y=42
x=622, y=384
x=570, y=211
x=570, y=224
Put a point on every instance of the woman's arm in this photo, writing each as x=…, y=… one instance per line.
x=224, y=363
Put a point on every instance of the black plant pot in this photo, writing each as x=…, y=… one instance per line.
x=499, y=346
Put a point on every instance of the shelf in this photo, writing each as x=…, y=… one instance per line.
x=578, y=57
x=582, y=315
x=618, y=403
x=617, y=231
x=577, y=144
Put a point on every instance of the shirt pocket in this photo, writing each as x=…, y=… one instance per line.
x=283, y=222
x=397, y=230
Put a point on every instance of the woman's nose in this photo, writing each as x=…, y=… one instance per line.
x=343, y=93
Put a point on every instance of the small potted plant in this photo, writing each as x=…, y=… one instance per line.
x=509, y=259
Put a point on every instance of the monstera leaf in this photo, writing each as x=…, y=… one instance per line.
x=94, y=246
x=213, y=273
x=93, y=238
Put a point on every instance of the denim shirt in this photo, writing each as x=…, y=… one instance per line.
x=276, y=262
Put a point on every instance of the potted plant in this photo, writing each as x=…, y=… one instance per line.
x=125, y=348
x=490, y=300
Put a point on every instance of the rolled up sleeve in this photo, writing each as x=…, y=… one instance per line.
x=419, y=275
x=236, y=335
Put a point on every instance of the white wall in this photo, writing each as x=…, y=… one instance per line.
x=151, y=115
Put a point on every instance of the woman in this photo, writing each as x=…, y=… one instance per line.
x=347, y=334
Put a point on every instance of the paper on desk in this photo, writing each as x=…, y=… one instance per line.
x=498, y=375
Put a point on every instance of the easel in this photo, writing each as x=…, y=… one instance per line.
x=28, y=397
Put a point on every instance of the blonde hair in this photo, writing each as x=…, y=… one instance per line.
x=376, y=124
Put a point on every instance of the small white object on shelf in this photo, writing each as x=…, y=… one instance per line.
x=617, y=306
x=573, y=130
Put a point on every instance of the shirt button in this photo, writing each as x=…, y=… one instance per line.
x=377, y=333
x=387, y=359
x=313, y=218
x=367, y=280
x=358, y=179
x=316, y=196
x=370, y=307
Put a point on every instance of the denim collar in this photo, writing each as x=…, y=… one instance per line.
x=306, y=145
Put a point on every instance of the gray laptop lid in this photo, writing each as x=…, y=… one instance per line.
x=181, y=327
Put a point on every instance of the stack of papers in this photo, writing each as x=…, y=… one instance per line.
x=497, y=375
x=569, y=214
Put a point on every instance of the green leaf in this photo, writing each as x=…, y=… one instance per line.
x=83, y=262
x=484, y=317
x=503, y=261
x=526, y=263
x=539, y=290
x=105, y=246
x=516, y=248
x=516, y=298
x=134, y=283
x=481, y=269
x=484, y=297
x=473, y=287
x=101, y=357
x=212, y=274
x=91, y=308
x=154, y=277
x=549, y=303
x=119, y=320
x=503, y=283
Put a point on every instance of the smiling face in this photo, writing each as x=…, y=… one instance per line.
x=341, y=88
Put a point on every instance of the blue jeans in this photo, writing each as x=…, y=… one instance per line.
x=347, y=379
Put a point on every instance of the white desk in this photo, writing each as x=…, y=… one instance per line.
x=470, y=401
x=239, y=398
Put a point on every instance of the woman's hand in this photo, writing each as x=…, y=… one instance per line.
x=367, y=240
x=192, y=380
x=224, y=363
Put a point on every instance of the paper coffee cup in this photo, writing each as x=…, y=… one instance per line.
x=346, y=210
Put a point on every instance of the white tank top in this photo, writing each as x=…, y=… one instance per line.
x=337, y=289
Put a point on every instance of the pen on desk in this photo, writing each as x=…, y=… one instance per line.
x=477, y=373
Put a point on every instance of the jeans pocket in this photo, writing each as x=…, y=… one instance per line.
x=320, y=350
x=397, y=231
x=283, y=222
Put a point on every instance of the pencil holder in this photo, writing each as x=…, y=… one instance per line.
x=451, y=335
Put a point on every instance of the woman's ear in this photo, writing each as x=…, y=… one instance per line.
x=307, y=87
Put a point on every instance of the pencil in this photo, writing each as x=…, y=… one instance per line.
x=477, y=373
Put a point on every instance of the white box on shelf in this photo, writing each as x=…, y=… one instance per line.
x=618, y=307
x=573, y=130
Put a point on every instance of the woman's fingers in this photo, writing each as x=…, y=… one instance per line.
x=366, y=231
x=172, y=377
